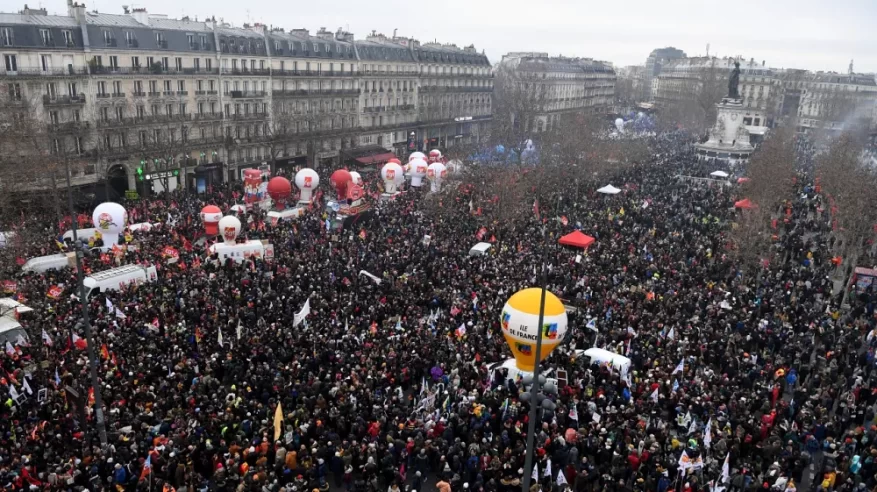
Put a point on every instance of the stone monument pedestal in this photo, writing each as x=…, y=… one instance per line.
x=729, y=138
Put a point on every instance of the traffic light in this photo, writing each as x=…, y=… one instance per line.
x=140, y=170
x=176, y=172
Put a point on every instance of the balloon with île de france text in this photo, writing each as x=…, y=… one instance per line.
x=519, y=320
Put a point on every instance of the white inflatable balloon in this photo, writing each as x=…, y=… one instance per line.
x=393, y=175
x=110, y=219
x=307, y=180
x=619, y=124
x=416, y=155
x=436, y=173
x=229, y=228
x=418, y=172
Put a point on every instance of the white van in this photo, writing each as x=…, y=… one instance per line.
x=243, y=251
x=82, y=234
x=480, y=249
x=42, y=264
x=117, y=278
x=603, y=356
x=11, y=330
x=286, y=214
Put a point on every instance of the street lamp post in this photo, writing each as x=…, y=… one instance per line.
x=534, y=390
x=86, y=323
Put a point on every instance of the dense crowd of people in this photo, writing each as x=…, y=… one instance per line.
x=758, y=368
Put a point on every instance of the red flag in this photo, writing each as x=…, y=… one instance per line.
x=104, y=352
x=20, y=261
x=54, y=292
x=481, y=232
x=564, y=220
x=91, y=396
x=536, y=208
x=113, y=359
x=196, y=263
x=492, y=239
x=78, y=342
x=187, y=245
x=155, y=322
x=197, y=334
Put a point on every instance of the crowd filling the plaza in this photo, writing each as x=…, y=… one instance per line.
x=361, y=354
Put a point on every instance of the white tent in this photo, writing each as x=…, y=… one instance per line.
x=719, y=174
x=609, y=190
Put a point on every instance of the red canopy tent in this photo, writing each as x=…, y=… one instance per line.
x=577, y=239
x=745, y=204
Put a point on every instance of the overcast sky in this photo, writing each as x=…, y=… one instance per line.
x=809, y=34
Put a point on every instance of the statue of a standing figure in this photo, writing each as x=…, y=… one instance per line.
x=733, y=81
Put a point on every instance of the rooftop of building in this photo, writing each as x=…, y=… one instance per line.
x=374, y=47
x=541, y=62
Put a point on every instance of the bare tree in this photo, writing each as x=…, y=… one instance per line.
x=849, y=183
x=771, y=174
x=518, y=100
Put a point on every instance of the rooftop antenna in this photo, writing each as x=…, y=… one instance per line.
x=851, y=67
x=707, y=49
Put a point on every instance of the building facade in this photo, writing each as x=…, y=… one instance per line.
x=654, y=64
x=563, y=85
x=703, y=81
x=136, y=97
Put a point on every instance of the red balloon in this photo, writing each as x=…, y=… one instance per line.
x=341, y=179
x=397, y=161
x=279, y=188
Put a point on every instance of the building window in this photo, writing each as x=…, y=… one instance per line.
x=109, y=39
x=11, y=63
x=46, y=37
x=178, y=62
x=68, y=38
x=6, y=37
x=208, y=64
x=46, y=62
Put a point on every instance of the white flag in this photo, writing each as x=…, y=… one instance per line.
x=26, y=386
x=680, y=367
x=10, y=349
x=219, y=337
x=672, y=334
x=109, y=304
x=239, y=329
x=120, y=314
x=371, y=276
x=301, y=315
x=46, y=339
x=561, y=479
x=654, y=395
x=13, y=392
x=708, y=433
x=547, y=469
x=535, y=475
x=592, y=324
x=693, y=427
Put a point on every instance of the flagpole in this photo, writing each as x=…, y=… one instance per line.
x=92, y=358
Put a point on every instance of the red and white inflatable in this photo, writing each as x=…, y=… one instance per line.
x=435, y=156
x=210, y=216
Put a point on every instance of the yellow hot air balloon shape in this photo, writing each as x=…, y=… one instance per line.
x=520, y=319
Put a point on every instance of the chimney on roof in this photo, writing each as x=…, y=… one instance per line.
x=29, y=11
x=301, y=32
x=140, y=15
x=324, y=34
x=76, y=10
x=342, y=35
